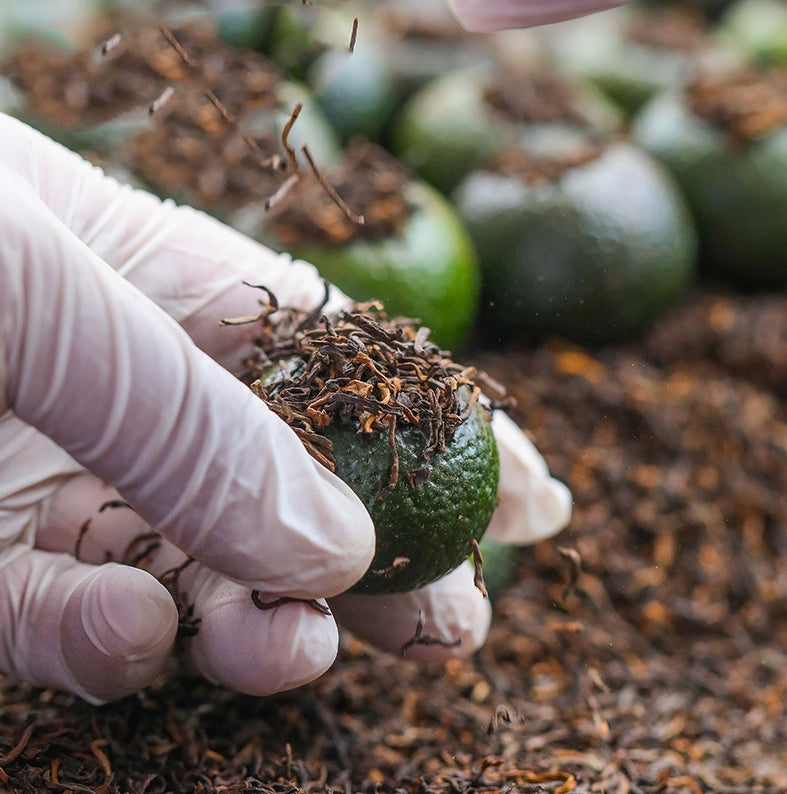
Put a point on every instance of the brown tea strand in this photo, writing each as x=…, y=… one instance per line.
x=83, y=529
x=265, y=606
x=397, y=565
x=22, y=742
x=268, y=308
x=140, y=549
x=188, y=624
x=177, y=46
x=353, y=35
x=112, y=504
x=330, y=190
x=573, y=569
x=478, y=576
x=285, y=135
x=419, y=638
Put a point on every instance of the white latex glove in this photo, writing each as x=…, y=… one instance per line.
x=104, y=397
x=483, y=16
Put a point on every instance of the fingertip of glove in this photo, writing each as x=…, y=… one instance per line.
x=260, y=652
x=351, y=557
x=522, y=520
x=117, y=631
x=336, y=550
x=533, y=505
x=563, y=506
x=447, y=619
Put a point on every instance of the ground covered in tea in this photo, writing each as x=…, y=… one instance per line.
x=643, y=650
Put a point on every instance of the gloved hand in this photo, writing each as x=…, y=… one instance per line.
x=488, y=15
x=116, y=384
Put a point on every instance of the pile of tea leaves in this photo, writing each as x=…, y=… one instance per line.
x=357, y=366
x=642, y=651
x=368, y=178
x=536, y=170
x=175, y=107
x=672, y=28
x=75, y=89
x=748, y=105
x=90, y=85
x=538, y=98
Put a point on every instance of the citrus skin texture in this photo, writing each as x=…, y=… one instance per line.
x=737, y=192
x=431, y=523
x=593, y=257
x=429, y=271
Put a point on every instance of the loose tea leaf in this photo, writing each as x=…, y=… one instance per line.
x=419, y=638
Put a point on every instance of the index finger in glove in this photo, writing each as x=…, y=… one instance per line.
x=99, y=369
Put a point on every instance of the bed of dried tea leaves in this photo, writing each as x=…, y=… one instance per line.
x=644, y=650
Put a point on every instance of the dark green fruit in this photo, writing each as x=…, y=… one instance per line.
x=354, y=90
x=592, y=254
x=430, y=522
x=379, y=404
x=734, y=178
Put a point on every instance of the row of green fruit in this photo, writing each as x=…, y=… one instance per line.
x=595, y=164
x=568, y=181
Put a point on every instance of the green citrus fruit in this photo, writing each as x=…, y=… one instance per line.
x=246, y=28
x=592, y=254
x=758, y=28
x=293, y=38
x=428, y=270
x=736, y=187
x=401, y=425
x=354, y=90
x=633, y=52
x=411, y=251
x=431, y=522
